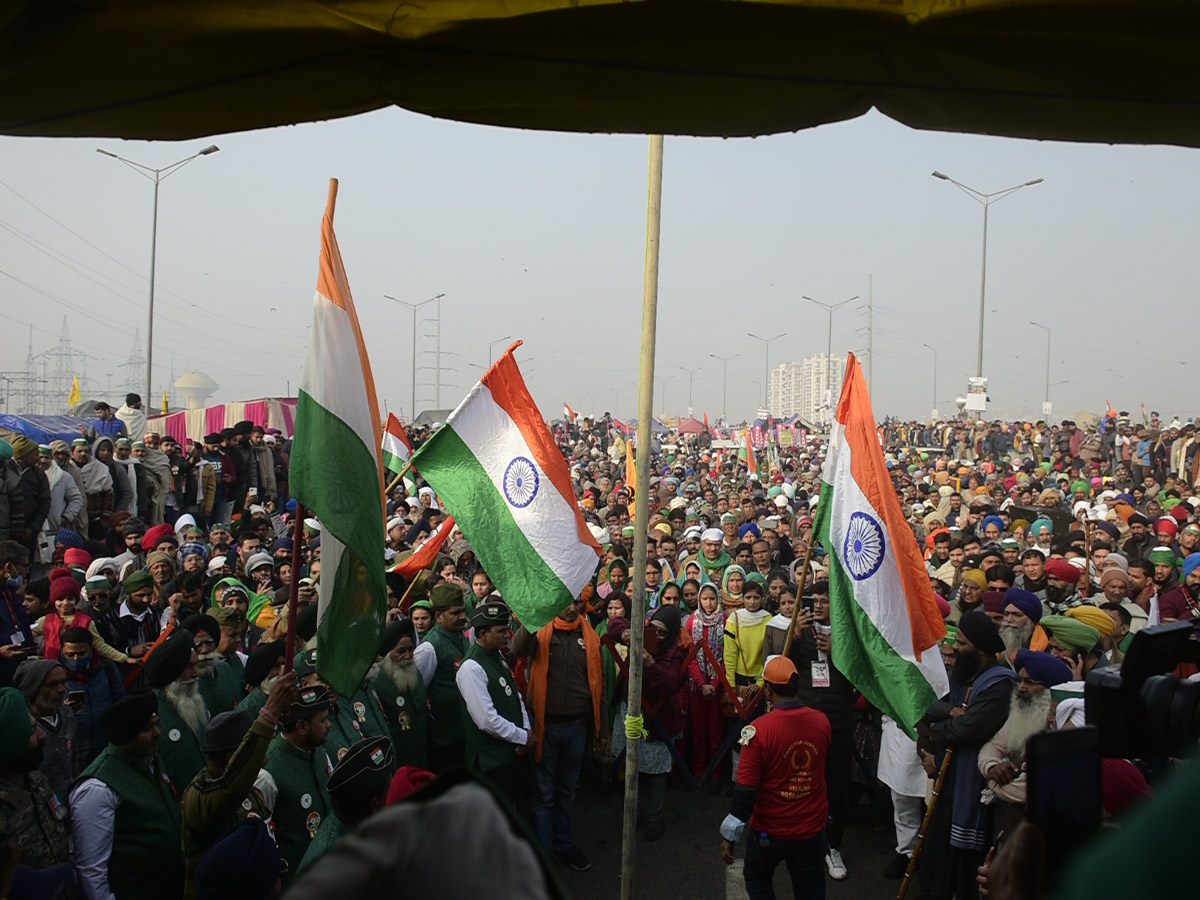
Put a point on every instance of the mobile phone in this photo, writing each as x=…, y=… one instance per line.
x=1064, y=795
x=650, y=639
x=75, y=693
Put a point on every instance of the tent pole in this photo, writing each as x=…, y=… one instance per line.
x=642, y=507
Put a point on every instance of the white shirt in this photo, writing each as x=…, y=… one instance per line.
x=472, y=683
x=425, y=659
x=93, y=819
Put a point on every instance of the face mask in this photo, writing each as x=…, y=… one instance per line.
x=14, y=583
x=78, y=665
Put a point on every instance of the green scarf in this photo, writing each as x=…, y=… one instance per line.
x=257, y=601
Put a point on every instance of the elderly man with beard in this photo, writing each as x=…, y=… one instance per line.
x=401, y=690
x=1002, y=759
x=172, y=671
x=1020, y=629
x=972, y=713
x=218, y=685
x=264, y=665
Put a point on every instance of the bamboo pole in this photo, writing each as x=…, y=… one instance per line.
x=642, y=505
x=787, y=642
x=937, y=790
x=289, y=652
x=395, y=481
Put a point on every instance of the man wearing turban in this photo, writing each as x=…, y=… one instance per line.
x=1002, y=759
x=1019, y=627
x=1061, y=593
x=1074, y=642
x=1171, y=601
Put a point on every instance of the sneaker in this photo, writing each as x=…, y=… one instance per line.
x=833, y=862
x=575, y=859
x=897, y=866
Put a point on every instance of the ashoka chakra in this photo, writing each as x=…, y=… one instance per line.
x=864, y=546
x=520, y=482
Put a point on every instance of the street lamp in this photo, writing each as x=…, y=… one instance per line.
x=829, y=308
x=935, y=403
x=412, y=410
x=690, y=373
x=985, y=200
x=766, y=360
x=1045, y=328
x=724, y=378
x=491, y=344
x=155, y=175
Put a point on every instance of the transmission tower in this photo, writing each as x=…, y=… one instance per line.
x=135, y=370
x=61, y=362
x=29, y=387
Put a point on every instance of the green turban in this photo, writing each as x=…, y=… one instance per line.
x=136, y=581
x=1170, y=503
x=1071, y=633
x=1081, y=485
x=16, y=728
x=1163, y=556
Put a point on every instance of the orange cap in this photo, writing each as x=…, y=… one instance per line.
x=779, y=670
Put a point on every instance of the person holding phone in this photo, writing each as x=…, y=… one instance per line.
x=16, y=631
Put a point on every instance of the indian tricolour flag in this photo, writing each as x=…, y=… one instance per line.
x=397, y=451
x=336, y=471
x=886, y=624
x=497, y=470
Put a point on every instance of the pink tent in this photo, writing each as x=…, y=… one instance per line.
x=691, y=426
x=269, y=412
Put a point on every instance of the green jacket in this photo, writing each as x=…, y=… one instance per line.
x=212, y=805
x=331, y=831
x=146, y=862
x=302, y=796
x=445, y=702
x=484, y=751
x=179, y=747
x=359, y=716
x=221, y=690
x=407, y=717
x=253, y=702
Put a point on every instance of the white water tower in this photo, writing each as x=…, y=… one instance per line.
x=195, y=388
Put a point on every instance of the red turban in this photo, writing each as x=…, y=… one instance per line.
x=1062, y=570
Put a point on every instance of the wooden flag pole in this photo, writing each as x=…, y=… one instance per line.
x=642, y=506
x=289, y=652
x=787, y=642
x=395, y=481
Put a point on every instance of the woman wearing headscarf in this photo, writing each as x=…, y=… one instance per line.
x=733, y=584
x=707, y=628
x=617, y=610
x=615, y=579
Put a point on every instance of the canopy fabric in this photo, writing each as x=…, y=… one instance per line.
x=42, y=429
x=691, y=426
x=194, y=424
x=1078, y=70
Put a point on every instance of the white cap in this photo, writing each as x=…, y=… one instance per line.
x=393, y=522
x=217, y=562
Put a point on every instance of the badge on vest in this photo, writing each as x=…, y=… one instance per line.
x=312, y=823
x=504, y=684
x=404, y=721
x=747, y=735
x=174, y=734
x=360, y=710
x=342, y=753
x=399, y=701
x=306, y=800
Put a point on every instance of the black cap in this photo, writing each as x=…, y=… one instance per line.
x=169, y=659
x=395, y=631
x=311, y=701
x=260, y=661
x=366, y=767
x=128, y=717
x=243, y=427
x=491, y=614
x=225, y=731
x=214, y=438
x=981, y=631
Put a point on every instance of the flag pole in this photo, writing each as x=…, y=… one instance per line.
x=293, y=589
x=395, y=481
x=787, y=642
x=642, y=506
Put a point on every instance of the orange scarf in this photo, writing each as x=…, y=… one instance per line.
x=541, y=666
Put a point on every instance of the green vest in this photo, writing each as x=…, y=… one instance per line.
x=483, y=750
x=253, y=702
x=146, y=862
x=221, y=689
x=445, y=702
x=179, y=747
x=302, y=802
x=331, y=831
x=239, y=669
x=358, y=717
x=408, y=720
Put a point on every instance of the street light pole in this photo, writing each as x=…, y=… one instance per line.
x=1046, y=328
x=690, y=373
x=157, y=176
x=829, y=308
x=412, y=410
x=766, y=362
x=935, y=403
x=491, y=344
x=724, y=379
x=985, y=200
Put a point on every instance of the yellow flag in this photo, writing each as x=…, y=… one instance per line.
x=166, y=408
x=75, y=396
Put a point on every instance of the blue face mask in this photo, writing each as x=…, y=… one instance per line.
x=78, y=665
x=14, y=583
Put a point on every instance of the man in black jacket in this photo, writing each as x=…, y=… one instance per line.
x=35, y=491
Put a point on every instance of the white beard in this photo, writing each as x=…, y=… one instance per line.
x=208, y=662
x=268, y=683
x=185, y=697
x=1025, y=718
x=1016, y=637
x=404, y=678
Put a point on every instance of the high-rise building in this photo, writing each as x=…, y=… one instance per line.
x=816, y=396
x=783, y=392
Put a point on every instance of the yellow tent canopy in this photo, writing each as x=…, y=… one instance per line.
x=1079, y=70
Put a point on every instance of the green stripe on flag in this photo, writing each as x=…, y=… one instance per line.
x=528, y=585
x=333, y=473
x=888, y=681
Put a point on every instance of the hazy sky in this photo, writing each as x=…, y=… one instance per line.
x=541, y=236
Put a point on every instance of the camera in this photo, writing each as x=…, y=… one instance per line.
x=1140, y=708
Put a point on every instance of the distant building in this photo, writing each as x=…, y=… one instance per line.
x=814, y=391
x=783, y=392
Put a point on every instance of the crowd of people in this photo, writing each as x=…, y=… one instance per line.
x=154, y=742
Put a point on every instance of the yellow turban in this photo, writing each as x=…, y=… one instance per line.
x=977, y=577
x=1097, y=618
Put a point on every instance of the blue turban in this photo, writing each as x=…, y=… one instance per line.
x=69, y=538
x=1190, y=563
x=993, y=520
x=748, y=528
x=1044, y=668
x=1026, y=602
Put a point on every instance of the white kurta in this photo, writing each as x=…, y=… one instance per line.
x=899, y=765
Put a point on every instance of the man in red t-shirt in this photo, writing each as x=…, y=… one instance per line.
x=780, y=791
